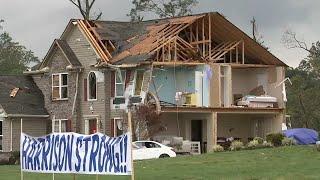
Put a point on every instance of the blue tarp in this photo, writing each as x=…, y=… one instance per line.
x=303, y=136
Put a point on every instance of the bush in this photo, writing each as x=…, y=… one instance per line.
x=275, y=139
x=236, y=146
x=318, y=145
x=259, y=139
x=288, y=141
x=267, y=144
x=253, y=144
x=217, y=148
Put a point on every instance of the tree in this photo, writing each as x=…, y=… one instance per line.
x=14, y=58
x=85, y=8
x=290, y=41
x=146, y=122
x=304, y=94
x=161, y=8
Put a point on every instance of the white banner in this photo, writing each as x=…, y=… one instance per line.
x=76, y=153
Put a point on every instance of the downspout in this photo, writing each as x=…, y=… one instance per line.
x=10, y=135
x=75, y=95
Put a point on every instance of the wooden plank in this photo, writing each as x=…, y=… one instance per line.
x=242, y=51
x=209, y=48
x=92, y=40
x=176, y=63
x=203, y=38
x=97, y=38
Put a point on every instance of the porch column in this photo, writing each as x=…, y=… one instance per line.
x=211, y=131
x=277, y=123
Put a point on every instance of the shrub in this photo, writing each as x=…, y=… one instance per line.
x=266, y=144
x=236, y=146
x=259, y=139
x=253, y=144
x=275, y=139
x=318, y=145
x=288, y=141
x=217, y=148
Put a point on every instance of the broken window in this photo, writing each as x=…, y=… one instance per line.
x=119, y=84
x=138, y=82
x=60, y=86
x=92, y=86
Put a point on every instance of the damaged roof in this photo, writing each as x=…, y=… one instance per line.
x=27, y=100
x=136, y=42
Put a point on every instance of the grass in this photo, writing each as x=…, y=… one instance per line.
x=297, y=162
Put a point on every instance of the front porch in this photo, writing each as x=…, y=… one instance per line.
x=208, y=125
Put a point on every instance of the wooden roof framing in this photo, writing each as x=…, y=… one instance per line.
x=207, y=37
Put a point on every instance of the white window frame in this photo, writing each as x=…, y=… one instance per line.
x=117, y=83
x=1, y=135
x=115, y=126
x=59, y=120
x=135, y=83
x=60, y=86
x=88, y=86
x=87, y=124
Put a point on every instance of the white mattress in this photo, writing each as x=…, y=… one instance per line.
x=259, y=99
x=264, y=101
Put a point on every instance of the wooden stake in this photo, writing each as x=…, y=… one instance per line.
x=130, y=132
x=21, y=172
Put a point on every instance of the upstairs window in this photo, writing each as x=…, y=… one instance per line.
x=92, y=84
x=60, y=86
x=119, y=84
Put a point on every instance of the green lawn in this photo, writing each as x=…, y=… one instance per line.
x=299, y=162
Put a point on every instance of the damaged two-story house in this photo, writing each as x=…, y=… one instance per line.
x=207, y=78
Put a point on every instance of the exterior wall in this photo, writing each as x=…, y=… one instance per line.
x=87, y=57
x=60, y=109
x=32, y=126
x=84, y=109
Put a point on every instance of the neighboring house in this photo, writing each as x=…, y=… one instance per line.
x=193, y=68
x=20, y=98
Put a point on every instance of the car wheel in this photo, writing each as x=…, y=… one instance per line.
x=164, y=156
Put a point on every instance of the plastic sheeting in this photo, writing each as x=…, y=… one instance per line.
x=303, y=136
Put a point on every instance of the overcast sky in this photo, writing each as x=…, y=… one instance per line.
x=36, y=23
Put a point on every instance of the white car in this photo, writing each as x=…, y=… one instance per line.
x=150, y=150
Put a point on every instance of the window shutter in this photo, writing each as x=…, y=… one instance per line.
x=85, y=90
x=112, y=83
x=127, y=80
x=86, y=127
x=69, y=125
x=112, y=128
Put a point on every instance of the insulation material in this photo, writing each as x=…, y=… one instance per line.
x=14, y=92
